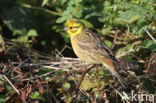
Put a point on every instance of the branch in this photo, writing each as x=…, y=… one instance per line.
x=150, y=36
x=11, y=84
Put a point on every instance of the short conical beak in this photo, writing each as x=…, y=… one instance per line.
x=65, y=29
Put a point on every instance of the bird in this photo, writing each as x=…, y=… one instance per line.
x=90, y=48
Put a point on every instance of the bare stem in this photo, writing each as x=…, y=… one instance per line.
x=11, y=84
x=150, y=36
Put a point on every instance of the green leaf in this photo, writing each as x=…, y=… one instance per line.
x=59, y=72
x=9, y=88
x=77, y=1
x=60, y=20
x=1, y=77
x=128, y=47
x=45, y=2
x=66, y=85
x=71, y=2
x=18, y=32
x=104, y=19
x=70, y=9
x=35, y=95
x=32, y=33
x=108, y=43
x=77, y=12
x=21, y=39
x=141, y=30
x=149, y=44
x=132, y=15
x=65, y=13
x=107, y=31
x=87, y=23
x=101, y=72
x=94, y=13
x=63, y=2
x=88, y=84
x=127, y=17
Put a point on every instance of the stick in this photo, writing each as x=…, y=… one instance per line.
x=150, y=36
x=11, y=84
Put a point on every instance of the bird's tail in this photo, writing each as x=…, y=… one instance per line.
x=112, y=68
x=122, y=81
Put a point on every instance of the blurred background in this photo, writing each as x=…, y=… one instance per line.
x=40, y=23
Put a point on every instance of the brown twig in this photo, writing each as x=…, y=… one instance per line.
x=11, y=84
x=121, y=95
x=150, y=36
x=81, y=78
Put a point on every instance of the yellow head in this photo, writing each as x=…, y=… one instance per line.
x=74, y=27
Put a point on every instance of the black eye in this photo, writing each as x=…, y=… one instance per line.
x=70, y=27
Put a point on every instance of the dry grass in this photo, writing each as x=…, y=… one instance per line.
x=61, y=78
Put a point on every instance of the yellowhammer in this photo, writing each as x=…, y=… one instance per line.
x=89, y=47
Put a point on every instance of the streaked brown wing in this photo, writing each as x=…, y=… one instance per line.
x=91, y=42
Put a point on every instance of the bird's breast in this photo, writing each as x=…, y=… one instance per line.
x=83, y=53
